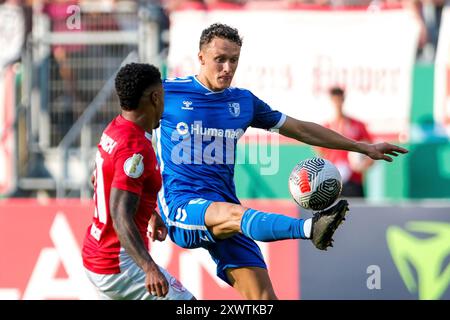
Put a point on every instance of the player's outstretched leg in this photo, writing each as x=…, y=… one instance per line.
x=325, y=223
x=226, y=219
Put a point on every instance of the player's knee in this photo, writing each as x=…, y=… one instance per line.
x=235, y=217
x=235, y=213
x=229, y=221
x=224, y=219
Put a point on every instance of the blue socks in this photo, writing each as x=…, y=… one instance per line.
x=262, y=226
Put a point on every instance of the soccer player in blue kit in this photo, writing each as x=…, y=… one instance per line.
x=202, y=121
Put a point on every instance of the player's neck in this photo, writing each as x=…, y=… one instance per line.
x=340, y=117
x=207, y=84
x=140, y=119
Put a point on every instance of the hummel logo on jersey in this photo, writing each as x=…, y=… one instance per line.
x=187, y=105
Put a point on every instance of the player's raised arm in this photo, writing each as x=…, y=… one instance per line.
x=316, y=135
x=124, y=206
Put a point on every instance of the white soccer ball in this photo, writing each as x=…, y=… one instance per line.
x=315, y=183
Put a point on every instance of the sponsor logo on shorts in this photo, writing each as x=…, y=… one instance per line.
x=176, y=285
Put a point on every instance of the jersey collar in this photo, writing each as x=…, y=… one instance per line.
x=121, y=120
x=208, y=91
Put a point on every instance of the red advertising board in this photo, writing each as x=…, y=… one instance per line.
x=40, y=243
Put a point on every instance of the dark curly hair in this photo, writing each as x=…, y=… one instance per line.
x=336, y=91
x=132, y=80
x=222, y=31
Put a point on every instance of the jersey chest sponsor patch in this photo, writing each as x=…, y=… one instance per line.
x=134, y=166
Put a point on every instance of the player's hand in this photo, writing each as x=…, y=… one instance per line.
x=155, y=281
x=383, y=151
x=157, y=229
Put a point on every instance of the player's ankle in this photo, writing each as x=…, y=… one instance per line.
x=307, y=228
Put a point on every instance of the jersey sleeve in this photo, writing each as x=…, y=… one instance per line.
x=264, y=117
x=365, y=135
x=131, y=162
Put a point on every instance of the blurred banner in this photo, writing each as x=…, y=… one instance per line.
x=290, y=58
x=442, y=74
x=41, y=259
x=383, y=252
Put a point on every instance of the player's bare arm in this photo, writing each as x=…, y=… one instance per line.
x=317, y=135
x=124, y=206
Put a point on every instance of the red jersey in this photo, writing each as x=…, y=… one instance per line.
x=125, y=160
x=352, y=129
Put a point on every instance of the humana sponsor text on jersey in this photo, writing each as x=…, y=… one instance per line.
x=197, y=129
x=195, y=144
x=203, y=145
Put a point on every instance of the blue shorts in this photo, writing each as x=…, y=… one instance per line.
x=185, y=222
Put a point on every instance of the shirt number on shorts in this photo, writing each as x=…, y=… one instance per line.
x=181, y=215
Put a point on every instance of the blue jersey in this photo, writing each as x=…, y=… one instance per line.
x=198, y=135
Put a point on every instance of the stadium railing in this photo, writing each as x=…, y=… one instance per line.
x=70, y=62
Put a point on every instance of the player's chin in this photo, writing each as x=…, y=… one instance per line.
x=222, y=84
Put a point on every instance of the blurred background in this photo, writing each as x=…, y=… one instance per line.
x=58, y=61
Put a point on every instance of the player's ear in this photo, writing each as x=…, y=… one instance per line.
x=201, y=57
x=155, y=97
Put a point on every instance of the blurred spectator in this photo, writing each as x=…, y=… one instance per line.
x=56, y=11
x=351, y=165
x=61, y=100
x=12, y=31
x=428, y=13
x=159, y=10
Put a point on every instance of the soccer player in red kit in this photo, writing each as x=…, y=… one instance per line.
x=352, y=166
x=127, y=179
